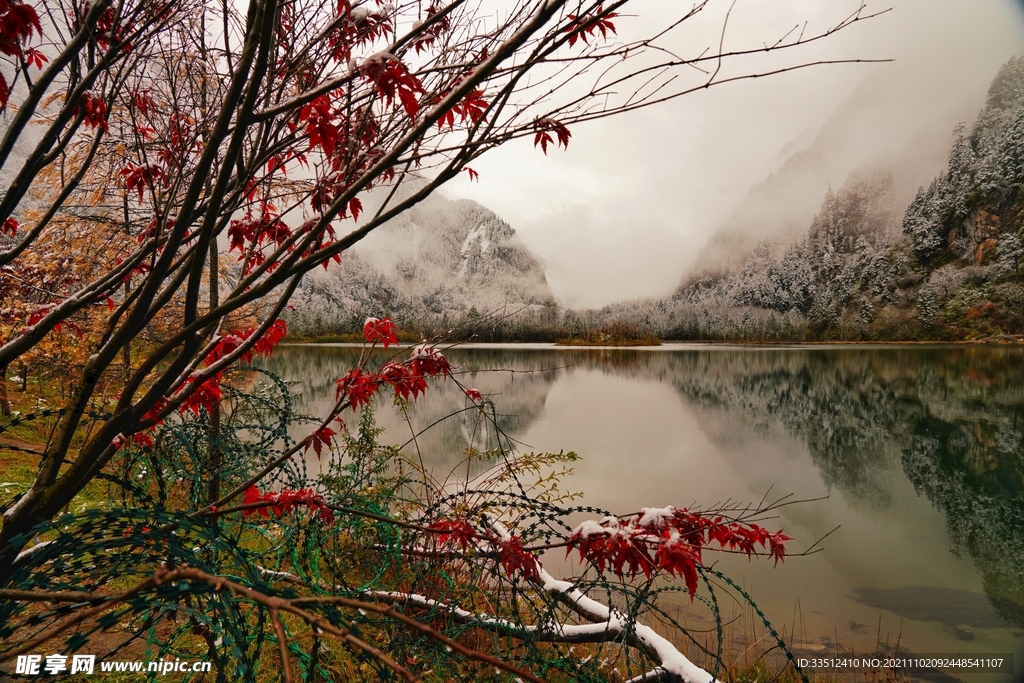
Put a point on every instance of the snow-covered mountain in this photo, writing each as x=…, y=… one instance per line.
x=878, y=261
x=438, y=262
x=894, y=122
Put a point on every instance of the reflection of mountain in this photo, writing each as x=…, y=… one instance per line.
x=518, y=397
x=975, y=474
x=828, y=401
x=948, y=418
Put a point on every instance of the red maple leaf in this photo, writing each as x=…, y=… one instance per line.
x=205, y=396
x=35, y=58
x=10, y=226
x=403, y=380
x=426, y=361
x=777, y=545
x=447, y=118
x=318, y=116
x=542, y=133
x=143, y=102
x=154, y=412
x=357, y=387
x=379, y=330
x=320, y=438
x=266, y=344
x=141, y=177
x=39, y=313
x=263, y=346
x=253, y=495
x=678, y=559
x=622, y=548
x=107, y=32
x=226, y=345
x=93, y=110
x=393, y=78
x=356, y=27
x=355, y=206
x=428, y=35
x=514, y=557
x=142, y=440
x=257, y=232
x=75, y=329
x=677, y=537
x=455, y=532
x=473, y=106
x=583, y=28
x=286, y=501
x=18, y=22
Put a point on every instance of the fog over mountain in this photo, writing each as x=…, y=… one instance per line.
x=437, y=263
x=877, y=129
x=897, y=251
x=627, y=210
x=640, y=204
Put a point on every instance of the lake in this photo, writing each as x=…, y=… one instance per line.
x=917, y=454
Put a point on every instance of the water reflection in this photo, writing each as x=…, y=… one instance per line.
x=883, y=428
x=951, y=606
x=516, y=381
x=947, y=418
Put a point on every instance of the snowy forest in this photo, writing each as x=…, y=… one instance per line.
x=868, y=267
x=948, y=266
x=442, y=264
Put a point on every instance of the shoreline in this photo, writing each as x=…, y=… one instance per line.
x=669, y=346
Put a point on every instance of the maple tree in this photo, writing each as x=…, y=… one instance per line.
x=206, y=156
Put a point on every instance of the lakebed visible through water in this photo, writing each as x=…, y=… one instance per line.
x=919, y=450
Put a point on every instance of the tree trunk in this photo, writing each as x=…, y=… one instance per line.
x=5, y=405
x=216, y=459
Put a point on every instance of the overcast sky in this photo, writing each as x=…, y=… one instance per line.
x=623, y=212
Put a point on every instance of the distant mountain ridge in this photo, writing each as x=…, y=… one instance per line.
x=438, y=262
x=881, y=258
x=877, y=262
x=871, y=131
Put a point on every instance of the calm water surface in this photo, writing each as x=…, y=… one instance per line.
x=919, y=450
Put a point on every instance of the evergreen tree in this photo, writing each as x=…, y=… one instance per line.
x=1011, y=253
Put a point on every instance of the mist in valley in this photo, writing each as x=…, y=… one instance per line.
x=638, y=201
x=786, y=208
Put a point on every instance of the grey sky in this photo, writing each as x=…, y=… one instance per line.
x=623, y=212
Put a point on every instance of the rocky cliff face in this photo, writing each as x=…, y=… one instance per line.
x=435, y=263
x=977, y=237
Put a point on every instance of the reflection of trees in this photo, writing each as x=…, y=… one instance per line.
x=947, y=417
x=829, y=400
x=517, y=381
x=978, y=486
